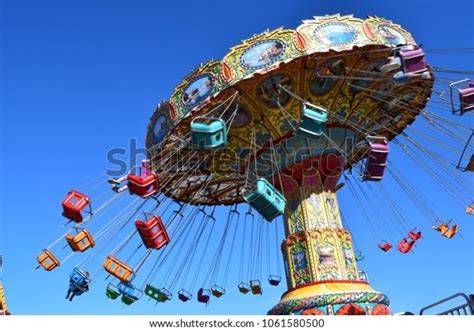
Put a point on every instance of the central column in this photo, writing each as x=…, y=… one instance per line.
x=320, y=264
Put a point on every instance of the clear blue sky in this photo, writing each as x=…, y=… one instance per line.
x=80, y=77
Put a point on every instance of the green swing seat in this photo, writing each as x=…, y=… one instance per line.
x=112, y=292
x=159, y=295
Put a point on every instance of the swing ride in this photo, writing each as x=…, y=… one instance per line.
x=275, y=125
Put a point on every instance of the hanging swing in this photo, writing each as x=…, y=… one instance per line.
x=184, y=295
x=384, y=245
x=203, y=295
x=413, y=61
x=376, y=158
x=112, y=291
x=208, y=133
x=274, y=280
x=159, y=295
x=470, y=208
x=405, y=245
x=313, y=120
x=466, y=96
x=358, y=256
x=218, y=291
x=145, y=183
x=73, y=205
x=415, y=234
x=470, y=165
x=152, y=231
x=244, y=288
x=79, y=281
x=47, y=260
x=266, y=199
x=445, y=229
x=256, y=287
x=81, y=241
x=130, y=293
x=117, y=268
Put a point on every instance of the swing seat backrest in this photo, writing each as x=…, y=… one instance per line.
x=256, y=287
x=153, y=232
x=73, y=204
x=385, y=246
x=442, y=228
x=81, y=241
x=143, y=187
x=203, y=295
x=117, y=268
x=47, y=260
x=451, y=232
x=466, y=98
x=208, y=136
x=470, y=165
x=313, y=121
x=413, y=61
x=414, y=235
x=267, y=200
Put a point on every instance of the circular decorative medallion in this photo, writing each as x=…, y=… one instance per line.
x=198, y=90
x=262, y=54
x=390, y=35
x=241, y=118
x=269, y=93
x=160, y=128
x=335, y=34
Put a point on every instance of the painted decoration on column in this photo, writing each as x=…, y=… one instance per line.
x=299, y=256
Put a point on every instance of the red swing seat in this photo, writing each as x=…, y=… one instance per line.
x=414, y=234
x=203, y=295
x=74, y=204
x=153, y=232
x=184, y=295
x=405, y=245
x=385, y=246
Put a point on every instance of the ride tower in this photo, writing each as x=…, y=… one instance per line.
x=3, y=302
x=318, y=253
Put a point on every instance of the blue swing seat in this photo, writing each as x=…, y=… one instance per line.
x=209, y=135
x=269, y=202
x=313, y=121
x=78, y=281
x=129, y=292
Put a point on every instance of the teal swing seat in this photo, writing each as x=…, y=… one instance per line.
x=269, y=202
x=112, y=292
x=313, y=121
x=358, y=256
x=208, y=133
x=159, y=295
